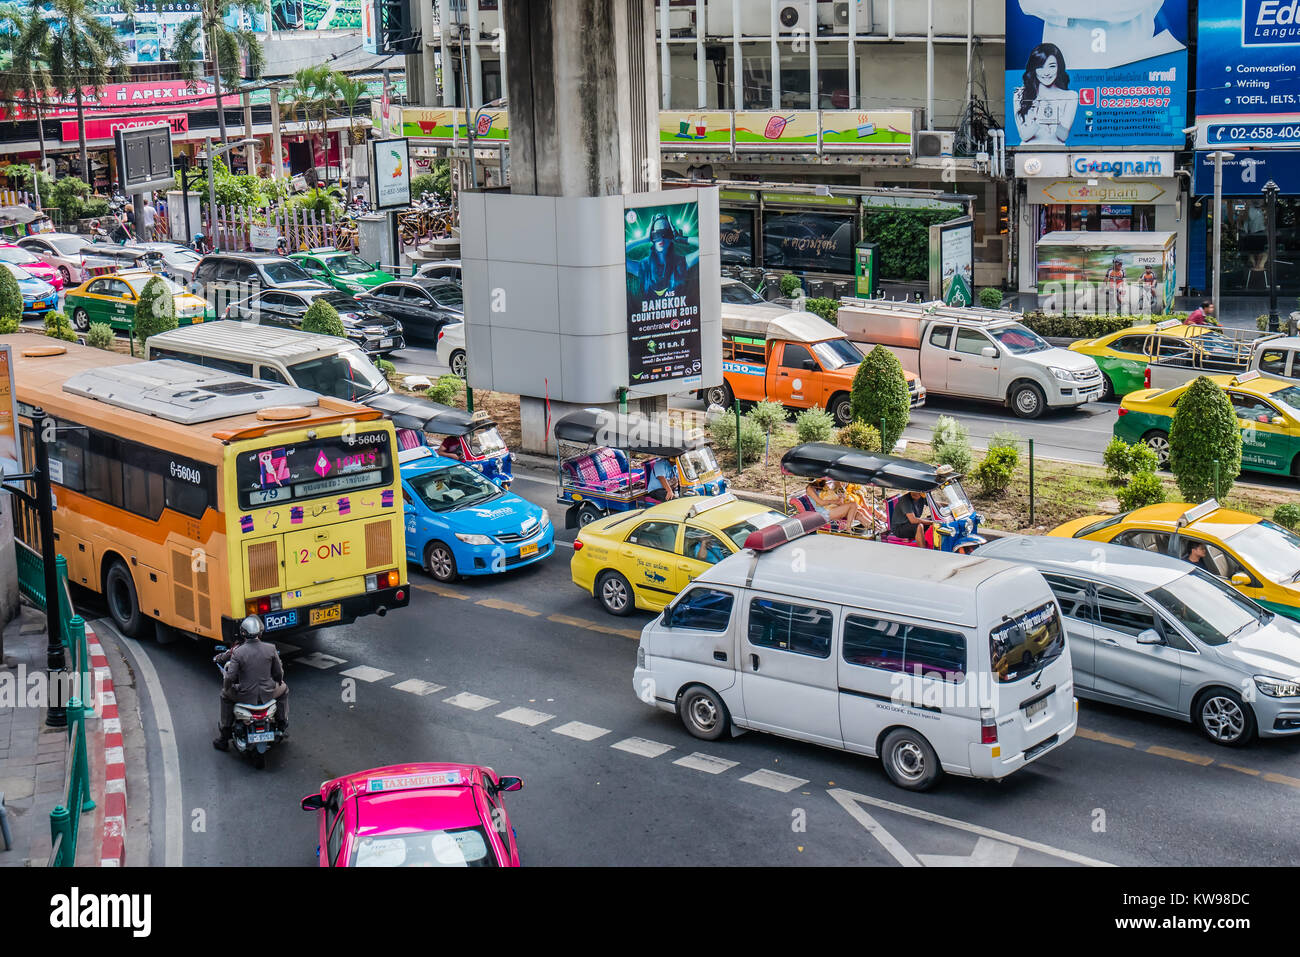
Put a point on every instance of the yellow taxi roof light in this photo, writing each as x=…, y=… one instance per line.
x=1198, y=512
x=1169, y=323
x=1250, y=376
x=709, y=502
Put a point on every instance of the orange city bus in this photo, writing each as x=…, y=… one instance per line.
x=195, y=497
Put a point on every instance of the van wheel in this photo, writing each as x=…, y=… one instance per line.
x=615, y=594
x=703, y=713
x=841, y=410
x=1158, y=442
x=719, y=395
x=909, y=760
x=1224, y=718
x=123, y=605
x=440, y=562
x=1027, y=400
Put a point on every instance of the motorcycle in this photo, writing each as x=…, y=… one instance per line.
x=256, y=727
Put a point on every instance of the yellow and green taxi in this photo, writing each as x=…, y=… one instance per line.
x=1268, y=411
x=1122, y=356
x=643, y=558
x=1257, y=557
x=112, y=299
x=345, y=271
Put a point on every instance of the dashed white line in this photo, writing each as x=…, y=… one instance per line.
x=418, y=687
x=774, y=780
x=318, y=660
x=583, y=732
x=526, y=716
x=642, y=747
x=471, y=702
x=366, y=673
x=706, y=763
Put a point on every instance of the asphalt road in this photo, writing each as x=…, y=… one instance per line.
x=528, y=675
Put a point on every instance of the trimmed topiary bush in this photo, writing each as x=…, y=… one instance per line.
x=100, y=335
x=828, y=309
x=384, y=366
x=753, y=440
x=324, y=319
x=11, y=298
x=57, y=326
x=768, y=415
x=1007, y=439
x=790, y=285
x=950, y=445
x=1204, y=429
x=1287, y=515
x=879, y=397
x=994, y=474
x=814, y=425
x=1123, y=460
x=1144, y=488
x=722, y=430
x=445, y=391
x=155, y=310
x=991, y=298
x=860, y=435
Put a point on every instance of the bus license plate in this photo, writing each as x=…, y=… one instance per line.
x=526, y=550
x=261, y=737
x=320, y=616
x=1036, y=708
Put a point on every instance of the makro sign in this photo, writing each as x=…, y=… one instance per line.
x=1270, y=22
x=1116, y=164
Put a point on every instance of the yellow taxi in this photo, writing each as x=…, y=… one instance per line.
x=1122, y=356
x=112, y=299
x=1257, y=557
x=645, y=557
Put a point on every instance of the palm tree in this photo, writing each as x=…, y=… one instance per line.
x=315, y=89
x=351, y=91
x=227, y=49
x=84, y=53
x=27, y=74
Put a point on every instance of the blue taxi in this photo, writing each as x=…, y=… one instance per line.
x=460, y=523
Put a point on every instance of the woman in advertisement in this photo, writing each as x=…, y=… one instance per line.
x=1102, y=34
x=1044, y=105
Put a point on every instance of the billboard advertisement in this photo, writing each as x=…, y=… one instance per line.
x=952, y=262
x=391, y=173
x=662, y=259
x=808, y=239
x=1082, y=73
x=1108, y=272
x=147, y=29
x=1248, y=69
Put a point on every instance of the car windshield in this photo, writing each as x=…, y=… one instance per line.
x=172, y=287
x=455, y=487
x=67, y=245
x=741, y=530
x=1024, y=645
x=349, y=265
x=1211, y=610
x=16, y=254
x=1289, y=397
x=20, y=274
x=836, y=354
x=484, y=442
x=184, y=257
x=347, y=374
x=448, y=296
x=738, y=293
x=1271, y=550
x=284, y=270
x=1098, y=526
x=1019, y=340
x=698, y=462
x=456, y=847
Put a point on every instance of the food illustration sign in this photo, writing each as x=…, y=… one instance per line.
x=663, y=292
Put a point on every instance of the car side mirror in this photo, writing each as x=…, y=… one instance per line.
x=667, y=618
x=313, y=802
x=1276, y=420
x=1149, y=637
x=809, y=365
x=408, y=509
x=988, y=352
x=510, y=784
x=1240, y=579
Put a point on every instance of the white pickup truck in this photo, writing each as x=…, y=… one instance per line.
x=974, y=353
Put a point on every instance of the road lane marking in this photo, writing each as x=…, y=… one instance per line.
x=526, y=716
x=642, y=747
x=1179, y=755
x=877, y=830
x=706, y=763
x=1281, y=779
x=509, y=606
x=417, y=687
x=986, y=854
x=1105, y=738
x=1233, y=767
x=774, y=780
x=596, y=626
x=470, y=702
x=583, y=732
x=366, y=673
x=318, y=660
x=442, y=590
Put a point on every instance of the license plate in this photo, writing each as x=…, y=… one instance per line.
x=261, y=737
x=385, y=343
x=280, y=619
x=1037, y=707
x=319, y=616
x=40, y=305
x=526, y=550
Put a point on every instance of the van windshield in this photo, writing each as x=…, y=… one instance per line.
x=1024, y=645
x=346, y=375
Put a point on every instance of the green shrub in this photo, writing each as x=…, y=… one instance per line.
x=1261, y=322
x=446, y=390
x=1204, y=429
x=8, y=326
x=323, y=318
x=994, y=474
x=827, y=309
x=155, y=310
x=1144, y=488
x=860, y=435
x=768, y=415
x=68, y=194
x=950, y=444
x=722, y=430
x=1287, y=515
x=814, y=425
x=991, y=298
x=436, y=181
x=1123, y=460
x=1007, y=439
x=95, y=206
x=879, y=395
x=790, y=284
x=100, y=335
x=753, y=440
x=1052, y=325
x=11, y=298
x=384, y=366
x=57, y=326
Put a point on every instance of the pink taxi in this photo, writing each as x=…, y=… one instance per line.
x=25, y=260
x=416, y=815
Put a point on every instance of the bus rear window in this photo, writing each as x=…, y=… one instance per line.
x=1024, y=645
x=317, y=469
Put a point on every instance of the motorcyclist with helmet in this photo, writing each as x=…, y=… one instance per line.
x=255, y=675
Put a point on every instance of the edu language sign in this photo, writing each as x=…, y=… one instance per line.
x=1248, y=60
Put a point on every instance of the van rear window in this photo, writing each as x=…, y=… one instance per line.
x=1024, y=645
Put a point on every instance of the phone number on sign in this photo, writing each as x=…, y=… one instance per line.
x=1110, y=104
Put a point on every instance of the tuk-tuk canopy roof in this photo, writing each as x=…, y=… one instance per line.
x=408, y=412
x=19, y=214
x=844, y=464
x=628, y=431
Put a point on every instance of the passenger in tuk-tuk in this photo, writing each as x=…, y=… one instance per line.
x=450, y=447
x=909, y=519
x=823, y=498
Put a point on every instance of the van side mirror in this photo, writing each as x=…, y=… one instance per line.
x=667, y=618
x=988, y=352
x=313, y=802
x=1149, y=637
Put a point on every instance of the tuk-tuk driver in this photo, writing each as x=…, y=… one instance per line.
x=660, y=477
x=909, y=519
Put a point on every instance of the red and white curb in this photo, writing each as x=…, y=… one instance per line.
x=113, y=841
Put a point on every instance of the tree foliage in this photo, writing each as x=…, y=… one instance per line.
x=1204, y=430
x=879, y=397
x=950, y=445
x=11, y=298
x=903, y=240
x=155, y=310
x=323, y=318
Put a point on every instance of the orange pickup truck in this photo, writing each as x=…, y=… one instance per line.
x=795, y=358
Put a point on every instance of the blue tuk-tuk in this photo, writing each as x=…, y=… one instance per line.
x=468, y=437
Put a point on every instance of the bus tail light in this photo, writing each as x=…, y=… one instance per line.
x=988, y=727
x=372, y=582
x=263, y=605
x=394, y=579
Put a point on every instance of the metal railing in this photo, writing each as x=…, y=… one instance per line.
x=65, y=819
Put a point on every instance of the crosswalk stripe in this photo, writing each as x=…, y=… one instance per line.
x=642, y=747
x=471, y=702
x=706, y=763
x=526, y=716
x=318, y=660
x=774, y=780
x=583, y=732
x=366, y=673
x=417, y=687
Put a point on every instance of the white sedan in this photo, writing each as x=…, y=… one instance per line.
x=63, y=251
x=451, y=348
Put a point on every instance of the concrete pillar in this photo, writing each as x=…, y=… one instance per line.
x=277, y=147
x=250, y=152
x=450, y=91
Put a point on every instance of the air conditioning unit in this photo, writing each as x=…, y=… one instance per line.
x=793, y=18
x=755, y=18
x=834, y=17
x=935, y=143
x=681, y=23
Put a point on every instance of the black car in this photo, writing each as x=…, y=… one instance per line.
x=423, y=306
x=226, y=278
x=374, y=332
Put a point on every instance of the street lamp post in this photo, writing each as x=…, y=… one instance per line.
x=1219, y=158
x=469, y=126
x=1270, y=194
x=209, y=154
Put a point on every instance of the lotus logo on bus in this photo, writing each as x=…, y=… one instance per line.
x=322, y=465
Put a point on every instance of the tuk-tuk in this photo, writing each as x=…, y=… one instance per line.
x=870, y=477
x=469, y=437
x=597, y=477
x=19, y=221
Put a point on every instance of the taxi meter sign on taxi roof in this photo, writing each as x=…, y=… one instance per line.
x=407, y=781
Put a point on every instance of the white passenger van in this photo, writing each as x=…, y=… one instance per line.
x=933, y=662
